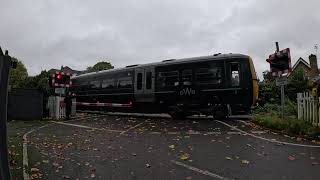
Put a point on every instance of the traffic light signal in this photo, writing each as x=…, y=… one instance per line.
x=60, y=79
x=280, y=62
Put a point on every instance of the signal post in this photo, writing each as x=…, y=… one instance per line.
x=60, y=82
x=280, y=63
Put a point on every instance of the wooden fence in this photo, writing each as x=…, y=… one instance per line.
x=308, y=108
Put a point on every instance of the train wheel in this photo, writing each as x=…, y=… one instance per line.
x=221, y=113
x=177, y=115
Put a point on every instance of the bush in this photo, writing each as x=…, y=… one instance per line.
x=290, y=124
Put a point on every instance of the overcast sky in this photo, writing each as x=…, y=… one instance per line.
x=48, y=34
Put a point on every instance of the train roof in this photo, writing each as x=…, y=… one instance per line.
x=218, y=56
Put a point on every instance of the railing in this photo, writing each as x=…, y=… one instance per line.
x=308, y=108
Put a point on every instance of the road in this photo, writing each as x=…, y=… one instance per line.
x=95, y=146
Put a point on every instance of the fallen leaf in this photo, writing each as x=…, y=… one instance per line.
x=245, y=161
x=291, y=158
x=55, y=164
x=66, y=177
x=184, y=156
x=45, y=161
x=92, y=175
x=228, y=158
x=34, y=170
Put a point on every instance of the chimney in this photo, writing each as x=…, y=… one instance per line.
x=314, y=66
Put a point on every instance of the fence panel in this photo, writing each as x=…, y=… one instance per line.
x=308, y=108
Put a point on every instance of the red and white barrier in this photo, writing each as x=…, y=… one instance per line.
x=98, y=104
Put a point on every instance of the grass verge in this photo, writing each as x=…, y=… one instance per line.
x=290, y=124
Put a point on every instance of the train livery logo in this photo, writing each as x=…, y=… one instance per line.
x=187, y=92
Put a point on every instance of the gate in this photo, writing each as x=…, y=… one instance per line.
x=308, y=108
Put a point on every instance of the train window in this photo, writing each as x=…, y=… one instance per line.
x=139, y=81
x=168, y=78
x=235, y=80
x=211, y=75
x=186, y=75
x=107, y=83
x=125, y=83
x=148, y=80
x=95, y=84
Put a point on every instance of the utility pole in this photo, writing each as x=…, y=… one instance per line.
x=5, y=65
x=281, y=86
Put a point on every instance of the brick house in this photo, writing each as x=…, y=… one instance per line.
x=311, y=69
x=66, y=69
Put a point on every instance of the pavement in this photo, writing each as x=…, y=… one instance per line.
x=100, y=146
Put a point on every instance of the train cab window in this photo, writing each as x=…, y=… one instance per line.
x=139, y=81
x=186, y=76
x=235, y=79
x=167, y=79
x=107, y=84
x=148, y=80
x=95, y=84
x=210, y=76
x=125, y=82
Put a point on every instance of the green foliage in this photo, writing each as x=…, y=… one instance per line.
x=19, y=79
x=297, y=83
x=18, y=75
x=288, y=125
x=270, y=93
x=102, y=65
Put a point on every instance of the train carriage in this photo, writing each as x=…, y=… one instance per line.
x=219, y=85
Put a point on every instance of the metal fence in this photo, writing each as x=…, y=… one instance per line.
x=308, y=108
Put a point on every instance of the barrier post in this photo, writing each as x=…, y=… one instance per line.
x=5, y=65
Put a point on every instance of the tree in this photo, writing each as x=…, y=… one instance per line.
x=18, y=75
x=298, y=83
x=102, y=65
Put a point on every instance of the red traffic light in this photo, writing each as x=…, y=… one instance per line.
x=59, y=76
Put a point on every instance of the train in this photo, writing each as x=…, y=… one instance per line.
x=220, y=85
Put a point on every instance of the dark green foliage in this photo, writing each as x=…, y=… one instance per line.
x=102, y=65
x=18, y=75
x=288, y=125
x=298, y=83
x=270, y=93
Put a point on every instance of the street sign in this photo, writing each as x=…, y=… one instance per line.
x=281, y=81
x=60, y=91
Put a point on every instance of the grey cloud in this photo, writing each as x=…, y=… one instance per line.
x=46, y=34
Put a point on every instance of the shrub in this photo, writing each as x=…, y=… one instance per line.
x=290, y=124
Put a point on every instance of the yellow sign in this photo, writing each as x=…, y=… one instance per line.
x=314, y=92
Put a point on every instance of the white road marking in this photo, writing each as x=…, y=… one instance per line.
x=173, y=133
x=266, y=139
x=25, y=162
x=133, y=127
x=233, y=132
x=204, y=172
x=155, y=132
x=193, y=133
x=210, y=133
x=86, y=127
x=77, y=125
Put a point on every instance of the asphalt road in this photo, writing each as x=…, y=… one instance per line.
x=126, y=147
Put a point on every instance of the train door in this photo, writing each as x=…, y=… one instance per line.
x=144, y=85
